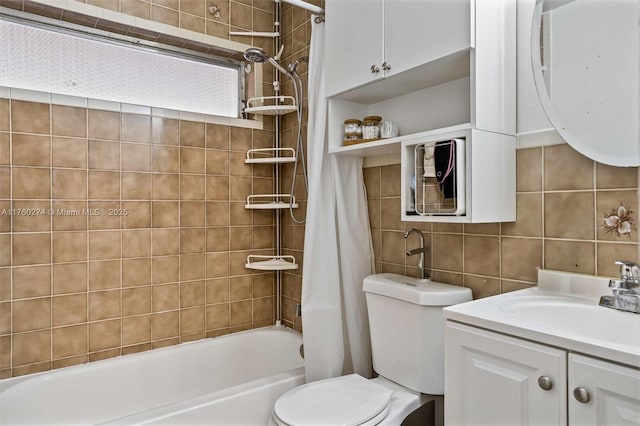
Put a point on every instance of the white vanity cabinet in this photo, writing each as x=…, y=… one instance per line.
x=368, y=41
x=495, y=379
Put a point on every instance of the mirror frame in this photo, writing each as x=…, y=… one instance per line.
x=601, y=156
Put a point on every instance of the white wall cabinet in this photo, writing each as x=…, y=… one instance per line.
x=371, y=40
x=494, y=379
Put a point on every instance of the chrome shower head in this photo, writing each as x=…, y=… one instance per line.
x=294, y=66
x=257, y=55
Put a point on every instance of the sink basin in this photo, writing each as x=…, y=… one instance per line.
x=561, y=311
x=580, y=317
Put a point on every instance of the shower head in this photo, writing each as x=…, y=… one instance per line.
x=257, y=55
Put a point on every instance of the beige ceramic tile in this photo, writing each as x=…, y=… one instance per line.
x=481, y=286
x=218, y=265
x=31, y=314
x=608, y=203
x=566, y=169
x=192, y=320
x=164, y=131
x=529, y=170
x=164, y=214
x=165, y=187
x=68, y=121
x=165, y=297
x=30, y=117
x=31, y=249
x=136, y=128
x=241, y=312
x=217, y=188
x=31, y=281
x=217, y=316
x=528, y=217
x=520, y=258
x=136, y=243
x=165, y=325
x=136, y=330
x=217, y=162
x=569, y=215
x=70, y=215
x=192, y=133
x=136, y=272
x=70, y=278
x=165, y=269
x=447, y=252
x=104, y=275
x=135, y=186
x=569, y=256
x=33, y=216
x=217, y=290
x=104, y=185
x=192, y=240
x=69, y=184
x=192, y=160
x=69, y=247
x=30, y=183
x=192, y=213
x=105, y=335
x=104, y=305
x=105, y=245
x=138, y=214
x=30, y=150
x=192, y=294
x=192, y=267
x=390, y=214
x=217, y=136
x=609, y=177
x=104, y=155
x=69, y=341
x=69, y=152
x=482, y=255
x=69, y=309
x=608, y=253
x=165, y=159
x=192, y=187
x=29, y=348
x=136, y=157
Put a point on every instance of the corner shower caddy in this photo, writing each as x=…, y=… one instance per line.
x=271, y=105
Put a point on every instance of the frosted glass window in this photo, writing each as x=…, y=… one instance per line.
x=40, y=59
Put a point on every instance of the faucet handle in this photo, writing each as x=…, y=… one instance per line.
x=629, y=271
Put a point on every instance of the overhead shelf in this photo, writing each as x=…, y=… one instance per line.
x=270, y=156
x=271, y=105
x=271, y=202
x=271, y=263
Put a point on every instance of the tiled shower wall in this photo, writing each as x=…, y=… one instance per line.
x=160, y=260
x=562, y=198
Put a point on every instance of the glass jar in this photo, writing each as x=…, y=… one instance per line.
x=371, y=127
x=352, y=129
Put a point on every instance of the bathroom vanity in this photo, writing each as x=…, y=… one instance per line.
x=547, y=355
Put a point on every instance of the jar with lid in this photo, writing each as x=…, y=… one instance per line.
x=371, y=127
x=352, y=129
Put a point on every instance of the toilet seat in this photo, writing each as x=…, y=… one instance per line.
x=341, y=401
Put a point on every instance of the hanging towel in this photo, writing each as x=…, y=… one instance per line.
x=429, y=161
x=444, y=156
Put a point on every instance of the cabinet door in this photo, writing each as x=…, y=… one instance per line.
x=354, y=33
x=492, y=379
x=614, y=393
x=417, y=32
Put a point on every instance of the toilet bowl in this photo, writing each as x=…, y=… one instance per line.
x=405, y=320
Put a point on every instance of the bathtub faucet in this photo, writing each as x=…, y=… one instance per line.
x=420, y=250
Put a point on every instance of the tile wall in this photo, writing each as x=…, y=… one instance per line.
x=562, y=198
x=160, y=259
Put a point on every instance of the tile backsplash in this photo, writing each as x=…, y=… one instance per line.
x=562, y=199
x=123, y=232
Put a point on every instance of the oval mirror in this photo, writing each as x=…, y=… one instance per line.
x=586, y=66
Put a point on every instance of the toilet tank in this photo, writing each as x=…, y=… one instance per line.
x=407, y=328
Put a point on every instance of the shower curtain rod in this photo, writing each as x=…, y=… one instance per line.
x=303, y=4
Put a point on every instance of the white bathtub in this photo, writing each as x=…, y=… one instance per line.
x=229, y=380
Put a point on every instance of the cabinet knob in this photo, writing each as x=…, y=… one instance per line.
x=386, y=66
x=545, y=383
x=374, y=69
x=582, y=395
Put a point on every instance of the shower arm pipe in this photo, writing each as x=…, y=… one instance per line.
x=303, y=4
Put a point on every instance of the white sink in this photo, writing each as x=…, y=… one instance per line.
x=579, y=316
x=563, y=310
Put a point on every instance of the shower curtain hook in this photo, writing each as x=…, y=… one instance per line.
x=319, y=18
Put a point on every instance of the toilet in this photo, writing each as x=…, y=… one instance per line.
x=407, y=345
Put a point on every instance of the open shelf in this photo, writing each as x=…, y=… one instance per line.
x=270, y=202
x=271, y=263
x=270, y=156
x=268, y=105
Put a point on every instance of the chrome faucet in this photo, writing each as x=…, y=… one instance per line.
x=626, y=290
x=420, y=250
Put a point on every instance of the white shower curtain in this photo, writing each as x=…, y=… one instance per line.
x=337, y=250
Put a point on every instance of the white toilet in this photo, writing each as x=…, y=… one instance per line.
x=407, y=344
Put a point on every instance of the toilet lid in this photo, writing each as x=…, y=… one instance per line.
x=341, y=401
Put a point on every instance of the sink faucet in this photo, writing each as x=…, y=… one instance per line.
x=420, y=250
x=626, y=290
